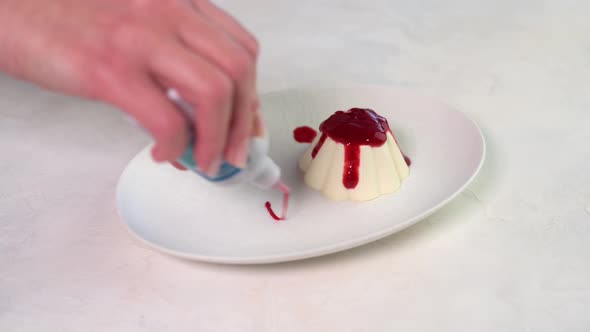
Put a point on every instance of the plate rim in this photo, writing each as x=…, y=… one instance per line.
x=325, y=249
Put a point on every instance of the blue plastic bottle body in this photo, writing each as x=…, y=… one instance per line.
x=226, y=170
x=260, y=169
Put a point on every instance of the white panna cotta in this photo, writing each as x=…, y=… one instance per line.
x=355, y=157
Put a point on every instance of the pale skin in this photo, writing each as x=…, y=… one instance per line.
x=127, y=52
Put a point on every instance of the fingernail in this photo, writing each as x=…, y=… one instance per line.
x=241, y=156
x=214, y=168
x=178, y=165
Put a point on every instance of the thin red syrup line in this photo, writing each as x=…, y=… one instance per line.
x=318, y=146
x=285, y=205
x=407, y=160
x=271, y=212
x=285, y=190
x=352, y=162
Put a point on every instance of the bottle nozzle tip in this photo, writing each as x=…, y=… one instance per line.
x=282, y=187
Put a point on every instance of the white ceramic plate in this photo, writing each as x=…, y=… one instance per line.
x=183, y=215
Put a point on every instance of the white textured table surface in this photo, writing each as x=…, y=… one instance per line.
x=510, y=254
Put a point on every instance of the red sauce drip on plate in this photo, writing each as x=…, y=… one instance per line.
x=271, y=212
x=285, y=190
x=304, y=134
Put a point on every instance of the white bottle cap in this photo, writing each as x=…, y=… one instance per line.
x=267, y=174
x=261, y=170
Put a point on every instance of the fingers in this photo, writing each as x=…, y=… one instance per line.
x=210, y=92
x=230, y=57
x=258, y=130
x=227, y=23
x=236, y=152
x=143, y=99
x=177, y=165
x=212, y=64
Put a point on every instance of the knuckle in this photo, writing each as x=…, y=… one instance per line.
x=91, y=69
x=255, y=46
x=101, y=78
x=168, y=127
x=243, y=123
x=101, y=68
x=125, y=34
x=102, y=75
x=218, y=89
x=240, y=134
x=208, y=146
x=241, y=67
x=142, y=4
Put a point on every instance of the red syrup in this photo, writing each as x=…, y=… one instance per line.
x=285, y=190
x=408, y=160
x=304, y=134
x=271, y=212
x=354, y=128
x=318, y=146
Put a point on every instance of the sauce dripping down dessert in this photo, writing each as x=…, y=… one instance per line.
x=355, y=157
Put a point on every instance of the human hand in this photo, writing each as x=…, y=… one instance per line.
x=128, y=52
